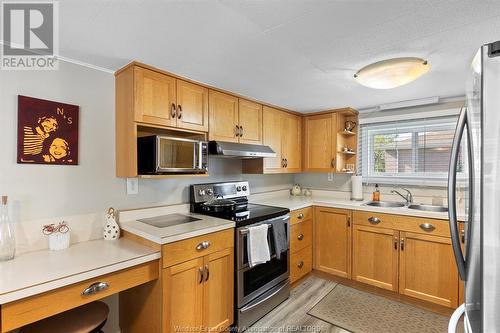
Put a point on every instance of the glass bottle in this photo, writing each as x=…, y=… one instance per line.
x=7, y=240
x=376, y=194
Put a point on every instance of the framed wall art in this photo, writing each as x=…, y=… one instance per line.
x=47, y=132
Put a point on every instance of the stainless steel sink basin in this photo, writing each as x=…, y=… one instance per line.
x=385, y=204
x=429, y=208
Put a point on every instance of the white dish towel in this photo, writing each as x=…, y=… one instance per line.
x=258, y=248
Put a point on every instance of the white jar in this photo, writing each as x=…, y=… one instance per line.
x=59, y=241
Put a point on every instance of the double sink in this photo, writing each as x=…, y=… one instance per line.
x=388, y=204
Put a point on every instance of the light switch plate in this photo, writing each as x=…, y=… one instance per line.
x=132, y=186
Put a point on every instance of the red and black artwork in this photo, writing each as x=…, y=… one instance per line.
x=47, y=132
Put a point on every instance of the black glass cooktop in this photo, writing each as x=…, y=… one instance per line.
x=252, y=213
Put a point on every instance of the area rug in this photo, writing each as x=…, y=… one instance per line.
x=361, y=312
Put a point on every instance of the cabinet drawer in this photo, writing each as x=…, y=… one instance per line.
x=374, y=219
x=34, y=308
x=300, y=263
x=300, y=215
x=192, y=248
x=300, y=235
x=424, y=226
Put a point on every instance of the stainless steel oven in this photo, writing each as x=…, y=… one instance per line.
x=158, y=154
x=260, y=288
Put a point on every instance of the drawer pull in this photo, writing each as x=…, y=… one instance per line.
x=427, y=226
x=94, y=288
x=300, y=237
x=202, y=246
x=374, y=220
x=300, y=216
x=300, y=264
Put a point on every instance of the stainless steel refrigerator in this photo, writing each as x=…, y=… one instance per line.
x=478, y=130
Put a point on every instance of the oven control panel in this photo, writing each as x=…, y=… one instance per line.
x=229, y=190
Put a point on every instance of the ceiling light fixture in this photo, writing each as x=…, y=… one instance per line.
x=392, y=73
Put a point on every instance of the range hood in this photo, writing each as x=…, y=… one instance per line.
x=239, y=150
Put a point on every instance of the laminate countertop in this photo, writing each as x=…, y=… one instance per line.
x=36, y=272
x=299, y=202
x=163, y=235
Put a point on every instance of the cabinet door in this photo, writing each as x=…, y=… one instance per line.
x=291, y=144
x=320, y=143
x=250, y=121
x=192, y=106
x=218, y=290
x=183, y=296
x=272, y=135
x=427, y=269
x=332, y=230
x=223, y=111
x=154, y=98
x=375, y=256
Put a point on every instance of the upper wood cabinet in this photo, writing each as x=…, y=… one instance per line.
x=320, y=143
x=282, y=131
x=427, y=268
x=192, y=106
x=234, y=119
x=164, y=100
x=250, y=122
x=332, y=245
x=223, y=117
x=328, y=147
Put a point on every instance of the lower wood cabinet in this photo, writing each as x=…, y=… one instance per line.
x=375, y=256
x=301, y=239
x=332, y=241
x=198, y=294
x=427, y=268
x=300, y=264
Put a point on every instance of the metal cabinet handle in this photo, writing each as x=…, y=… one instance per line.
x=207, y=270
x=427, y=227
x=300, y=264
x=241, y=131
x=282, y=162
x=179, y=114
x=333, y=163
x=395, y=243
x=300, y=237
x=95, y=288
x=402, y=244
x=201, y=271
x=237, y=131
x=202, y=246
x=348, y=221
x=286, y=162
x=462, y=236
x=300, y=216
x=172, y=111
x=374, y=220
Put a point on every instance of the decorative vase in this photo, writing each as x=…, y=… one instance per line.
x=111, y=229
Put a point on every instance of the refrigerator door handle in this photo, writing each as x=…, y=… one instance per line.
x=452, y=182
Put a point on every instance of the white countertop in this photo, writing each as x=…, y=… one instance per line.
x=206, y=224
x=40, y=271
x=294, y=203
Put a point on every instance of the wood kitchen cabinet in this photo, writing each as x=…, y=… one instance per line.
x=325, y=138
x=250, y=122
x=427, y=268
x=332, y=242
x=282, y=131
x=164, y=100
x=375, y=256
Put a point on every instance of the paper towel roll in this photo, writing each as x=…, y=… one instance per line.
x=357, y=188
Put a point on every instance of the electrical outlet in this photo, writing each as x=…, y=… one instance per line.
x=132, y=186
x=330, y=176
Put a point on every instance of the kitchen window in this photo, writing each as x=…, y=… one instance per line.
x=414, y=152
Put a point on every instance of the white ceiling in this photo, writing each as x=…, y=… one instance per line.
x=299, y=54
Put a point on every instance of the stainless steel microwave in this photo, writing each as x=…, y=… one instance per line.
x=157, y=154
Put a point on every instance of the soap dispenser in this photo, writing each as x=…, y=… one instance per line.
x=376, y=194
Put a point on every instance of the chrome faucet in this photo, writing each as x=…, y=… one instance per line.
x=408, y=197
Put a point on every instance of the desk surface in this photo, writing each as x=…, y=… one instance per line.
x=37, y=272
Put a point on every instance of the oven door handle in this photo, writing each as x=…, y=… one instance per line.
x=251, y=306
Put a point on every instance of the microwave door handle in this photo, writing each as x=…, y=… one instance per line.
x=452, y=182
